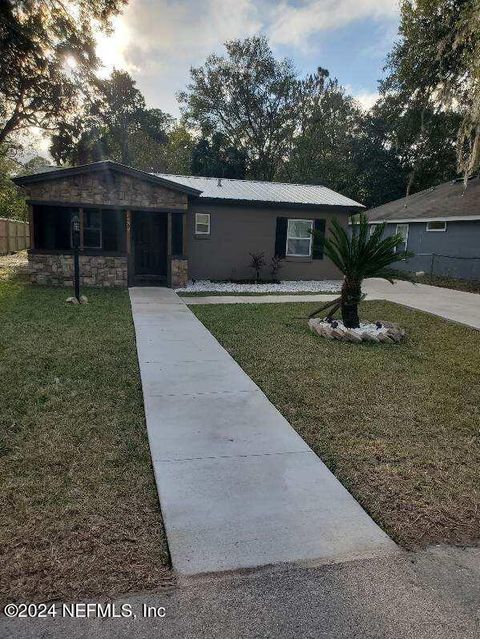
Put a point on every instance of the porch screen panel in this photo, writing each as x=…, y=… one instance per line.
x=52, y=226
x=113, y=231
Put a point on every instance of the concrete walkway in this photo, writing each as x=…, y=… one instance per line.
x=238, y=486
x=453, y=305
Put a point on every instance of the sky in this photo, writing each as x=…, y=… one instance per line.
x=158, y=41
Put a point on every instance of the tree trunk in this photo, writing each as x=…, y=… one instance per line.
x=351, y=295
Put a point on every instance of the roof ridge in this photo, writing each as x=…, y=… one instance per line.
x=211, y=177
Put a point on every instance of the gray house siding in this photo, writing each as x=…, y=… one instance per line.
x=236, y=231
x=451, y=253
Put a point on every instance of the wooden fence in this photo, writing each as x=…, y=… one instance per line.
x=14, y=236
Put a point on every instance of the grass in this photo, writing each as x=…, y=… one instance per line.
x=79, y=510
x=397, y=424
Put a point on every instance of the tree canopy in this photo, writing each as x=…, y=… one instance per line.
x=436, y=65
x=47, y=58
x=114, y=124
x=279, y=126
x=250, y=98
x=247, y=114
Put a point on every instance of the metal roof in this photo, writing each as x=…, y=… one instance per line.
x=450, y=199
x=213, y=188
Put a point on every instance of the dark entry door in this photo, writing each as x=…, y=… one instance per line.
x=149, y=235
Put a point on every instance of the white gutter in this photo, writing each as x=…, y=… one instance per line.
x=458, y=218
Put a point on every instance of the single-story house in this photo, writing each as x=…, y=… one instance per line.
x=144, y=228
x=441, y=225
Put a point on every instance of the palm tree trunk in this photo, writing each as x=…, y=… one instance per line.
x=351, y=296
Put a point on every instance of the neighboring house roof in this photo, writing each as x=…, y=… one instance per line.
x=226, y=189
x=448, y=201
x=212, y=188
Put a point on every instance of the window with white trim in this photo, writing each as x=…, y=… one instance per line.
x=436, y=226
x=402, y=229
x=299, y=238
x=202, y=223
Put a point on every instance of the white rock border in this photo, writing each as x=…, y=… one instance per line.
x=385, y=332
x=294, y=286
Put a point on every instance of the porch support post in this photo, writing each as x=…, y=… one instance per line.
x=30, y=227
x=178, y=263
x=82, y=224
x=169, y=249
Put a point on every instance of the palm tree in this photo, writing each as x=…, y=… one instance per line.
x=358, y=256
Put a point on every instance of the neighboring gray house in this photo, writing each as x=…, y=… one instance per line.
x=441, y=225
x=143, y=228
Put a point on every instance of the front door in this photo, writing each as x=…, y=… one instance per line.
x=149, y=248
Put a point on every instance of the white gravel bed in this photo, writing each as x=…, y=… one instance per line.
x=300, y=286
x=385, y=332
x=371, y=329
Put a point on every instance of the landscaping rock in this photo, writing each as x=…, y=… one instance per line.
x=384, y=332
x=351, y=336
x=72, y=300
x=368, y=337
x=383, y=337
x=83, y=299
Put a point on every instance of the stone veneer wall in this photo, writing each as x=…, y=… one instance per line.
x=95, y=270
x=107, y=188
x=179, y=272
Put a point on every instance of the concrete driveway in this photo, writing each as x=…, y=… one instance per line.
x=453, y=305
x=457, y=306
x=432, y=594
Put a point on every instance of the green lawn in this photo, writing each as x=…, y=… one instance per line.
x=79, y=510
x=398, y=424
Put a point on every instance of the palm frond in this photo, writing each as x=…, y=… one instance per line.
x=363, y=254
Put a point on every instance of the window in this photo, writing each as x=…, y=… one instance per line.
x=436, y=226
x=92, y=228
x=299, y=238
x=202, y=223
x=402, y=229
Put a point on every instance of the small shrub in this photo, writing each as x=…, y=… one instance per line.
x=275, y=266
x=257, y=262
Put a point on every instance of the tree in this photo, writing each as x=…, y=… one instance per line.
x=12, y=202
x=36, y=164
x=115, y=125
x=251, y=99
x=47, y=58
x=218, y=159
x=398, y=150
x=328, y=123
x=359, y=255
x=178, y=150
x=436, y=64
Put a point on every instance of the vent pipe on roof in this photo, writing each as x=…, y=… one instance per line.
x=219, y=183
